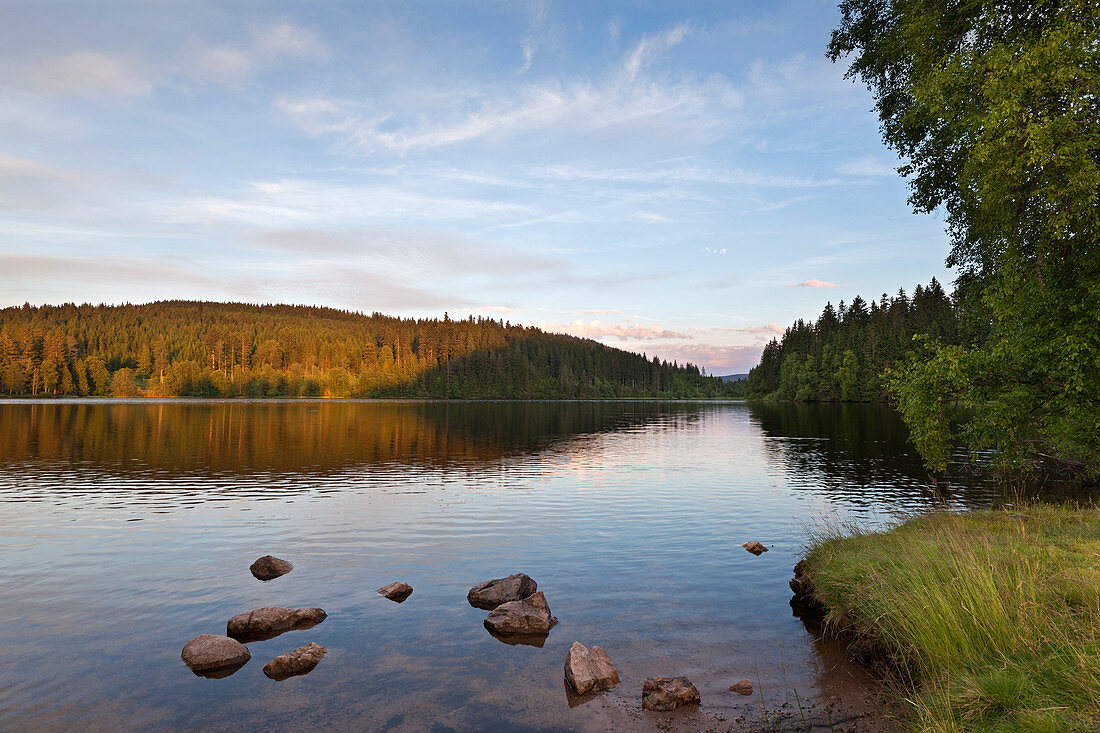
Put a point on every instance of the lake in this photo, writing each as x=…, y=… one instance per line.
x=129, y=527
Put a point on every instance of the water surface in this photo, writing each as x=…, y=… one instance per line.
x=128, y=528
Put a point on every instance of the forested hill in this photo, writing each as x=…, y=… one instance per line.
x=845, y=354
x=230, y=349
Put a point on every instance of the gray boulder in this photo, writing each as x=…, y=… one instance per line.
x=270, y=621
x=668, y=693
x=209, y=655
x=300, y=661
x=492, y=593
x=269, y=567
x=587, y=669
x=528, y=617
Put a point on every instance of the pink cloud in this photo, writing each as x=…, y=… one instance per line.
x=768, y=329
x=625, y=330
x=717, y=359
x=504, y=309
x=814, y=284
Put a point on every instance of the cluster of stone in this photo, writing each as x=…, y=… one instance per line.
x=211, y=655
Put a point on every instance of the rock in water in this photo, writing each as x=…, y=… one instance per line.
x=492, y=593
x=209, y=655
x=300, y=661
x=744, y=687
x=804, y=602
x=755, y=548
x=396, y=591
x=589, y=669
x=269, y=622
x=800, y=584
x=668, y=693
x=269, y=567
x=530, y=616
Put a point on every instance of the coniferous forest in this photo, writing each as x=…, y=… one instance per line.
x=182, y=348
x=847, y=354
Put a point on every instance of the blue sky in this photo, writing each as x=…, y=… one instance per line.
x=682, y=179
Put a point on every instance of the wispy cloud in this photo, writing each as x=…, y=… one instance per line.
x=269, y=45
x=680, y=174
x=350, y=287
x=868, y=167
x=94, y=72
x=651, y=46
x=286, y=39
x=622, y=97
x=715, y=251
x=530, y=43
x=423, y=251
x=292, y=202
x=88, y=73
x=53, y=268
x=32, y=184
x=577, y=106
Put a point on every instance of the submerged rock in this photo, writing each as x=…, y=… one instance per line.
x=587, y=670
x=530, y=616
x=270, y=621
x=755, y=548
x=744, y=687
x=300, y=661
x=492, y=593
x=396, y=591
x=269, y=567
x=210, y=655
x=668, y=693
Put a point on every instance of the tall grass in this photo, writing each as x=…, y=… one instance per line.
x=991, y=618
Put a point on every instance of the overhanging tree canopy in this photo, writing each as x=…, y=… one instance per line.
x=996, y=108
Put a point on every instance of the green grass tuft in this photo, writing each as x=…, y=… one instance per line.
x=992, y=618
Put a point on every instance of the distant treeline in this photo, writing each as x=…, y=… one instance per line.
x=183, y=348
x=845, y=354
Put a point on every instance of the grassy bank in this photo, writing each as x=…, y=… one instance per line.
x=991, y=618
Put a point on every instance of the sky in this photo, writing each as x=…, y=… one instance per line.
x=678, y=179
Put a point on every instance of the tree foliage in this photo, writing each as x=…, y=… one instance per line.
x=995, y=105
x=230, y=349
x=845, y=355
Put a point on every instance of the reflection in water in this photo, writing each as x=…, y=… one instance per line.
x=220, y=673
x=629, y=515
x=237, y=436
x=535, y=640
x=250, y=635
x=861, y=453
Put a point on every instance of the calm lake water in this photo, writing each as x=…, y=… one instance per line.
x=128, y=528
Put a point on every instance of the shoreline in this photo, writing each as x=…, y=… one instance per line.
x=984, y=620
x=105, y=399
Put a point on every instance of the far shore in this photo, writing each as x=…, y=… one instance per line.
x=102, y=399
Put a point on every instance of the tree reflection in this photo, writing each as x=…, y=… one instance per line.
x=297, y=436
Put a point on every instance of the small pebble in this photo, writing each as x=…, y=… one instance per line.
x=744, y=687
